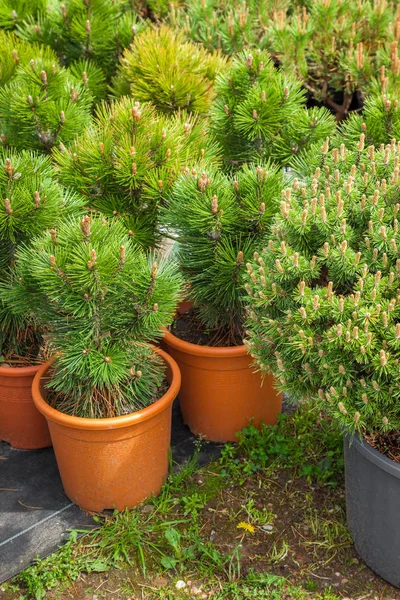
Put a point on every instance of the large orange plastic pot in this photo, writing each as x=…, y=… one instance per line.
x=220, y=392
x=116, y=462
x=21, y=424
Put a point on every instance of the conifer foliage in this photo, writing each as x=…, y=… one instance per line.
x=379, y=121
x=16, y=52
x=13, y=12
x=124, y=164
x=42, y=105
x=32, y=201
x=260, y=113
x=219, y=221
x=162, y=68
x=324, y=306
x=105, y=302
x=94, y=30
x=334, y=47
x=230, y=25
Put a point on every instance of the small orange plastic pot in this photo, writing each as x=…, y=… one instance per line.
x=21, y=424
x=220, y=392
x=112, y=463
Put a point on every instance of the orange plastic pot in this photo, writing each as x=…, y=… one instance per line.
x=220, y=393
x=21, y=424
x=116, y=462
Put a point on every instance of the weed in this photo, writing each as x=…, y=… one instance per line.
x=329, y=535
x=193, y=504
x=47, y=574
x=278, y=551
x=257, y=516
x=311, y=585
x=314, y=452
x=260, y=586
x=234, y=566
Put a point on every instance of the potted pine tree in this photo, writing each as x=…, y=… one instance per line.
x=31, y=202
x=107, y=395
x=324, y=318
x=260, y=113
x=218, y=222
x=125, y=162
x=174, y=74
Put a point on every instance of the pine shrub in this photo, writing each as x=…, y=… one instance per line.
x=105, y=302
x=42, y=105
x=32, y=201
x=332, y=46
x=125, y=163
x=218, y=222
x=260, y=113
x=162, y=68
x=324, y=313
x=229, y=25
x=95, y=30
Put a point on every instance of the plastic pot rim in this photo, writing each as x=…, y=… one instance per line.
x=373, y=455
x=20, y=371
x=199, y=350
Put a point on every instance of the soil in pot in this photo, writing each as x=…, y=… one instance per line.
x=21, y=424
x=116, y=462
x=373, y=506
x=220, y=392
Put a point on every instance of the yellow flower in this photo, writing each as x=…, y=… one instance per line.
x=246, y=527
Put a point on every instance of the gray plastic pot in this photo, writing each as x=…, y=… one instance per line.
x=373, y=507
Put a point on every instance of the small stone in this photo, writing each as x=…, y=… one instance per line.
x=267, y=527
x=180, y=585
x=270, y=505
x=195, y=590
x=344, y=581
x=160, y=582
x=148, y=508
x=338, y=574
